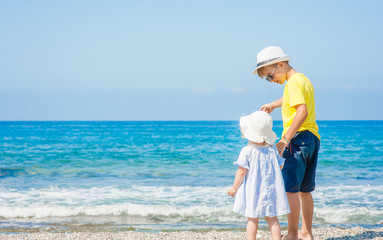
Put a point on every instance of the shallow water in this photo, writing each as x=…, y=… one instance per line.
x=168, y=175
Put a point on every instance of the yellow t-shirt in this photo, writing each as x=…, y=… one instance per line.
x=299, y=90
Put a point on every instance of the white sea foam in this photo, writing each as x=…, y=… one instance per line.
x=182, y=196
x=336, y=215
x=333, y=204
x=349, y=204
x=164, y=212
x=146, y=201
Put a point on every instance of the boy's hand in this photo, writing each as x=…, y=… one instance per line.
x=267, y=108
x=232, y=191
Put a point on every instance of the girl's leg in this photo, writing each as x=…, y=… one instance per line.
x=275, y=228
x=252, y=228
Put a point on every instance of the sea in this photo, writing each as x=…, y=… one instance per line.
x=167, y=175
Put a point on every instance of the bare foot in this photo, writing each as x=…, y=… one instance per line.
x=289, y=237
x=305, y=236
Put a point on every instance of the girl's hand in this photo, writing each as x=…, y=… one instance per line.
x=281, y=145
x=267, y=108
x=232, y=191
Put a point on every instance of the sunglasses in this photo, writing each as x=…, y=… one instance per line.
x=270, y=76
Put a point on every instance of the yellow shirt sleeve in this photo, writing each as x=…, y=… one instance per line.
x=296, y=93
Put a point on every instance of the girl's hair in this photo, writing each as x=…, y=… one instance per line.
x=260, y=144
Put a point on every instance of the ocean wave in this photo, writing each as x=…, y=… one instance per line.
x=151, y=212
x=347, y=215
x=172, y=195
x=166, y=213
x=338, y=204
x=11, y=172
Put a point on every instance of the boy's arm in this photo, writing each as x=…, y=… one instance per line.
x=239, y=176
x=269, y=107
x=298, y=120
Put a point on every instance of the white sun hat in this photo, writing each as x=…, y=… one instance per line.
x=258, y=127
x=270, y=55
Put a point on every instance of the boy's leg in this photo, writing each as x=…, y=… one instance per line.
x=274, y=226
x=293, y=216
x=307, y=186
x=299, y=176
x=307, y=215
x=252, y=228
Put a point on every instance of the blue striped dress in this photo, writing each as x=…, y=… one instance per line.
x=262, y=192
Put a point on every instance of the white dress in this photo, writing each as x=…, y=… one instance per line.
x=262, y=192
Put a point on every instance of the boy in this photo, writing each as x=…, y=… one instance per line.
x=300, y=140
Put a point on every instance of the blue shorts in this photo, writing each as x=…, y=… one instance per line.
x=301, y=161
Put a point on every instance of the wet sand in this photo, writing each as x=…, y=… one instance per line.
x=333, y=233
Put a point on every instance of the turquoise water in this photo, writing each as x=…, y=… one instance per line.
x=168, y=175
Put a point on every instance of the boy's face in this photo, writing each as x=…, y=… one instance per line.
x=279, y=77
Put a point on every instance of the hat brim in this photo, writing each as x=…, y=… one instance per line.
x=281, y=59
x=269, y=137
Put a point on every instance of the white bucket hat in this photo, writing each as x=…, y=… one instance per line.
x=258, y=127
x=270, y=55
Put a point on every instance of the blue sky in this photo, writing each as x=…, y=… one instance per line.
x=184, y=60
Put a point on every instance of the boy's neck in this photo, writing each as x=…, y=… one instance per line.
x=291, y=71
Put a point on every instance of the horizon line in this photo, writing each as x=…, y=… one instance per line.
x=335, y=120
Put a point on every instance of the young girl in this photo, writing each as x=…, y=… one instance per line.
x=258, y=186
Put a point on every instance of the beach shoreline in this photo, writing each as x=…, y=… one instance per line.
x=318, y=232
x=102, y=180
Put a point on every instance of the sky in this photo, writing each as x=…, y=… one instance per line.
x=184, y=60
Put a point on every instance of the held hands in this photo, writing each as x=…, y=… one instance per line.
x=232, y=191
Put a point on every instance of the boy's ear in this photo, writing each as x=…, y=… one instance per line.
x=283, y=64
